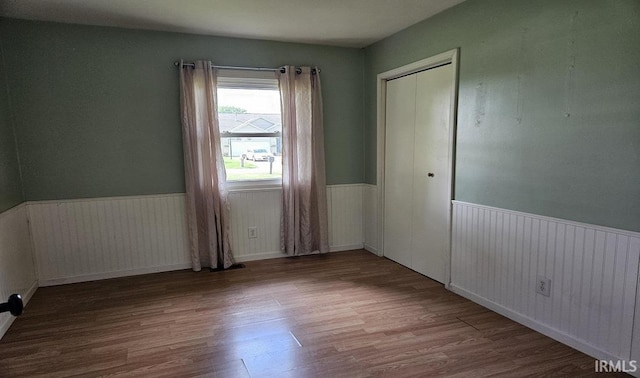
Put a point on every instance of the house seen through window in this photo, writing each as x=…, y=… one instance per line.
x=250, y=126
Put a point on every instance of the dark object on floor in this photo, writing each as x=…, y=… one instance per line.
x=13, y=305
x=234, y=266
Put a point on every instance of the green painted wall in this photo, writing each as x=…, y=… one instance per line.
x=549, y=104
x=97, y=109
x=10, y=186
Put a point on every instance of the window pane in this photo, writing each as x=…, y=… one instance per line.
x=251, y=158
x=251, y=112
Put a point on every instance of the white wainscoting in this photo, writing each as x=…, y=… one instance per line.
x=17, y=271
x=260, y=209
x=370, y=202
x=345, y=217
x=497, y=255
x=88, y=239
x=97, y=238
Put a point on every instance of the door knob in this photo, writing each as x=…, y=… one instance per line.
x=430, y=174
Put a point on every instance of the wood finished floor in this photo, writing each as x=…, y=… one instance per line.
x=348, y=314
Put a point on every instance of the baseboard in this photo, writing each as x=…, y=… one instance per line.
x=4, y=327
x=346, y=247
x=260, y=256
x=535, y=325
x=113, y=274
x=32, y=290
x=167, y=268
x=276, y=255
x=372, y=249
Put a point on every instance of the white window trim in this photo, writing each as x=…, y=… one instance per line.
x=242, y=185
x=251, y=135
x=240, y=79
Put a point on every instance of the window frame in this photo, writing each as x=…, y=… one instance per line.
x=243, y=79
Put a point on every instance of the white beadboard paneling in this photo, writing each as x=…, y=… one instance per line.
x=370, y=218
x=345, y=216
x=260, y=209
x=498, y=254
x=81, y=240
x=634, y=244
x=89, y=239
x=17, y=271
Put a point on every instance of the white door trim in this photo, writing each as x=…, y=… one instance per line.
x=450, y=56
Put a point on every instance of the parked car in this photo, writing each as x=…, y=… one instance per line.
x=258, y=154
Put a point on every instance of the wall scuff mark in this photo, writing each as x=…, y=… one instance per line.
x=522, y=69
x=569, y=83
x=481, y=91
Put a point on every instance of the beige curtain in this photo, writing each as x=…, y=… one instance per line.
x=304, y=228
x=207, y=208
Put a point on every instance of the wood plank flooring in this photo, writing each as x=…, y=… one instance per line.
x=347, y=314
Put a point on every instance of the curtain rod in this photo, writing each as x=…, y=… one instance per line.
x=280, y=69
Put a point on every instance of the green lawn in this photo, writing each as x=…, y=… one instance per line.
x=234, y=163
x=235, y=172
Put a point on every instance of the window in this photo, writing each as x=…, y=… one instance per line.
x=250, y=126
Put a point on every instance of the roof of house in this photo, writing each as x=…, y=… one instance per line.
x=249, y=122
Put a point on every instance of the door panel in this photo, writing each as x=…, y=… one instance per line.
x=416, y=232
x=430, y=236
x=398, y=211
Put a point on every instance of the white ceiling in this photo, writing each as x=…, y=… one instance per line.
x=350, y=23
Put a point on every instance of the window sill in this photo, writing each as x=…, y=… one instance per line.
x=254, y=185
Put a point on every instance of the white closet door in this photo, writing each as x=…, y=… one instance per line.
x=432, y=180
x=399, y=169
x=417, y=172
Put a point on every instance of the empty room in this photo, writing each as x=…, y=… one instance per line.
x=300, y=188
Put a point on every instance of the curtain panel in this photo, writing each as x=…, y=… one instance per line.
x=207, y=207
x=304, y=224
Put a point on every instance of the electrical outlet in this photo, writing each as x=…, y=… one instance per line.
x=253, y=232
x=543, y=286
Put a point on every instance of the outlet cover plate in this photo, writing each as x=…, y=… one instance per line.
x=543, y=286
